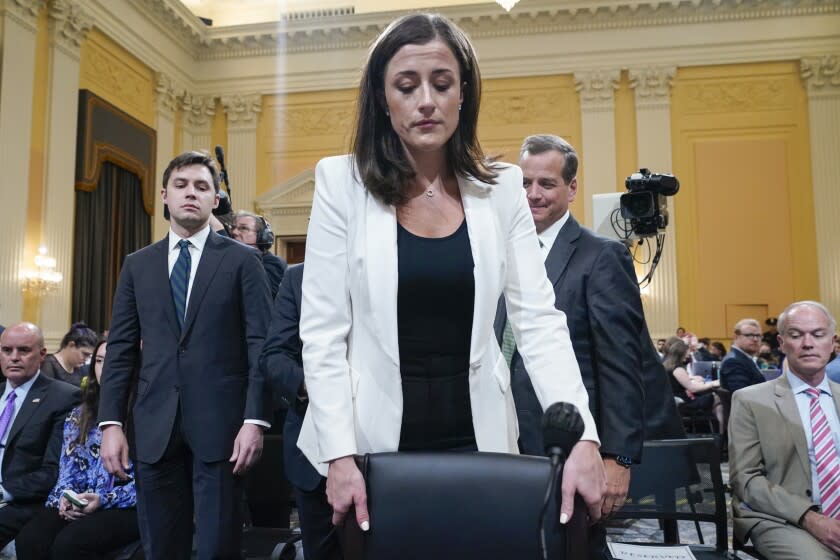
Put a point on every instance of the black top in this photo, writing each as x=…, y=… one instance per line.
x=51, y=368
x=435, y=303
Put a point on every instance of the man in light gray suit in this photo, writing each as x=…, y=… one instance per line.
x=784, y=447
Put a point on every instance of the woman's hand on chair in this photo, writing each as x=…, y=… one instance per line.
x=345, y=489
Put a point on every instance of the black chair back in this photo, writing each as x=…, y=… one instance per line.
x=461, y=506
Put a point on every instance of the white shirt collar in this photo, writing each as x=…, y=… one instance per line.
x=198, y=239
x=549, y=234
x=798, y=386
x=21, y=390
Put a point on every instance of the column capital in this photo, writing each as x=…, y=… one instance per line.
x=242, y=110
x=25, y=12
x=597, y=89
x=821, y=75
x=167, y=93
x=652, y=85
x=199, y=111
x=69, y=24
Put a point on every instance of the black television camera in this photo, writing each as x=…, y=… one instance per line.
x=645, y=205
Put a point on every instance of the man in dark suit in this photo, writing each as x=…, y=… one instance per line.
x=739, y=368
x=282, y=366
x=33, y=408
x=595, y=285
x=199, y=303
x=250, y=229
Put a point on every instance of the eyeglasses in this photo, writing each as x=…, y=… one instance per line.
x=755, y=336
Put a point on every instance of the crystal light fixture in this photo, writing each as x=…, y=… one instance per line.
x=44, y=279
x=507, y=4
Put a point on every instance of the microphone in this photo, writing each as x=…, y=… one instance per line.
x=562, y=427
x=220, y=156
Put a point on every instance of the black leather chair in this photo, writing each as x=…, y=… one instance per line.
x=460, y=506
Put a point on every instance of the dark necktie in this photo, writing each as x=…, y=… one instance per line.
x=179, y=281
x=8, y=412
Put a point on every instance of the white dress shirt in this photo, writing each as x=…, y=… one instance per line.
x=21, y=392
x=803, y=403
x=197, y=242
x=549, y=235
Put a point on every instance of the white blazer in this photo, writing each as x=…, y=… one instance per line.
x=348, y=321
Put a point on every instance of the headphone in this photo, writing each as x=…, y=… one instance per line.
x=265, y=238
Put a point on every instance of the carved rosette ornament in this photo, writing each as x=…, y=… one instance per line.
x=198, y=111
x=242, y=110
x=167, y=93
x=69, y=24
x=822, y=75
x=652, y=85
x=597, y=89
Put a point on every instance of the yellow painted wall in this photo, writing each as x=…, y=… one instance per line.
x=37, y=149
x=114, y=74
x=626, y=155
x=744, y=215
x=218, y=130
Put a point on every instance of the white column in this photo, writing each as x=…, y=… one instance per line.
x=68, y=26
x=166, y=97
x=241, y=152
x=19, y=22
x=653, y=144
x=822, y=75
x=197, y=123
x=597, y=106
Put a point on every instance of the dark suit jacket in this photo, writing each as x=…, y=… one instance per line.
x=595, y=285
x=30, y=463
x=738, y=371
x=210, y=369
x=275, y=268
x=282, y=367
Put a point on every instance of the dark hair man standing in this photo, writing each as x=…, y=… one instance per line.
x=595, y=285
x=199, y=302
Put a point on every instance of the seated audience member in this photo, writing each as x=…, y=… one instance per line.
x=680, y=332
x=784, y=450
x=739, y=368
x=718, y=350
x=660, y=348
x=702, y=353
x=75, y=350
x=32, y=411
x=109, y=521
x=832, y=370
x=694, y=391
x=766, y=358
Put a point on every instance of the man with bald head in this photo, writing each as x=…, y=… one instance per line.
x=32, y=412
x=739, y=368
x=784, y=447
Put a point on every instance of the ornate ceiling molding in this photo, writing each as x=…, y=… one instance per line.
x=242, y=110
x=652, y=85
x=822, y=75
x=597, y=89
x=199, y=111
x=167, y=94
x=69, y=23
x=24, y=12
x=327, y=30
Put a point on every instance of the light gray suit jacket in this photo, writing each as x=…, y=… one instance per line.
x=768, y=456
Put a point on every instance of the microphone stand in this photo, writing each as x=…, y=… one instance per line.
x=553, y=475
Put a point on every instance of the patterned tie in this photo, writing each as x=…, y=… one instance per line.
x=825, y=453
x=8, y=412
x=179, y=281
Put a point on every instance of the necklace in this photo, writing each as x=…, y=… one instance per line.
x=430, y=192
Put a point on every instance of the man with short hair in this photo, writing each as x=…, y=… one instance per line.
x=595, y=285
x=200, y=304
x=32, y=412
x=249, y=228
x=784, y=447
x=739, y=368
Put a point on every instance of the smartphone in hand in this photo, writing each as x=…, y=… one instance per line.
x=74, y=498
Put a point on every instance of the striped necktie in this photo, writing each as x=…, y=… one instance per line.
x=179, y=281
x=825, y=454
x=508, y=342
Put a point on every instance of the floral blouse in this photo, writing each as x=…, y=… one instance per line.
x=80, y=469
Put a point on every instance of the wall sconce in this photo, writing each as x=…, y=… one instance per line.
x=507, y=4
x=44, y=279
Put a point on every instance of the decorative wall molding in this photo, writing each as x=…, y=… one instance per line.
x=597, y=89
x=69, y=24
x=167, y=94
x=652, y=85
x=822, y=75
x=242, y=109
x=24, y=12
x=294, y=121
x=199, y=110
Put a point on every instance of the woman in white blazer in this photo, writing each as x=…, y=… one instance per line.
x=416, y=174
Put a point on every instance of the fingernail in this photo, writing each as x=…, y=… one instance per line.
x=365, y=525
x=564, y=518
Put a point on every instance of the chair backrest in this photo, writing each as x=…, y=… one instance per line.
x=448, y=505
x=679, y=479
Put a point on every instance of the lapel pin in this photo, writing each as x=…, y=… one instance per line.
x=36, y=400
